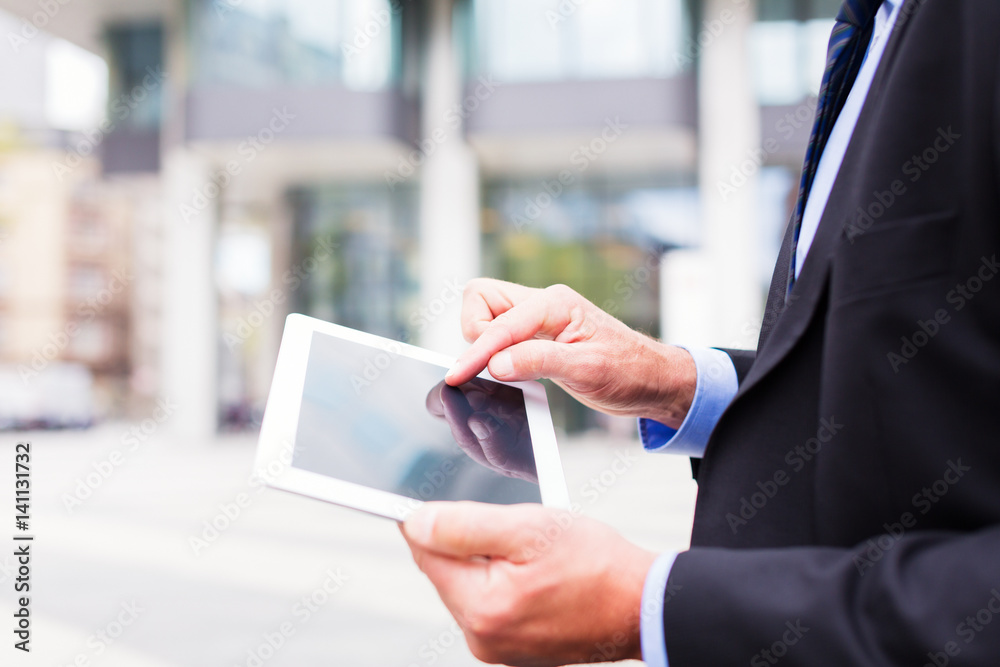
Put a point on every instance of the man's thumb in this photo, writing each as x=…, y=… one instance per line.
x=465, y=529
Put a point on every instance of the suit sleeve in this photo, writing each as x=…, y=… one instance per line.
x=898, y=599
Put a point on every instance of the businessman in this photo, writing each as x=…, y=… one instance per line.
x=849, y=469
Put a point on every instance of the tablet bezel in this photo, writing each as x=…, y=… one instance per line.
x=281, y=418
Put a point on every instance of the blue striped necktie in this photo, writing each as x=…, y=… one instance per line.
x=848, y=45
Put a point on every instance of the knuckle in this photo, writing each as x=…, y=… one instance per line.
x=501, y=329
x=470, y=331
x=488, y=624
x=474, y=286
x=501, y=320
x=481, y=650
x=561, y=291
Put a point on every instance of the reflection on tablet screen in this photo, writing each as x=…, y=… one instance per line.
x=390, y=422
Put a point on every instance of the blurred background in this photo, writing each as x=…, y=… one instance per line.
x=178, y=175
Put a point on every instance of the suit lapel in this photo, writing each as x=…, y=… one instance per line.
x=800, y=308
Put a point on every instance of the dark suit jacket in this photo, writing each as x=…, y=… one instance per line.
x=849, y=499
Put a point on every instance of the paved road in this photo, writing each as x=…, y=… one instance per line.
x=118, y=581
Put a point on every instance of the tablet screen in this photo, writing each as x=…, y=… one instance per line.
x=389, y=422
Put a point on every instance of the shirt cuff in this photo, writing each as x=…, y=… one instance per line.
x=654, y=595
x=715, y=388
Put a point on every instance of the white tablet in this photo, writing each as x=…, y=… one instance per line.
x=367, y=422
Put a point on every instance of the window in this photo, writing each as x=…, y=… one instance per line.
x=86, y=281
x=604, y=239
x=798, y=10
x=788, y=48
x=544, y=40
x=136, y=95
x=355, y=255
x=92, y=341
x=261, y=43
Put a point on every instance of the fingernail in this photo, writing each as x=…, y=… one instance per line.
x=477, y=399
x=502, y=364
x=420, y=526
x=478, y=428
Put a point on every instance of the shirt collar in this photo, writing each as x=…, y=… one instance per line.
x=885, y=18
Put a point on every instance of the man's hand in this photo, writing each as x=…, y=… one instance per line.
x=532, y=586
x=487, y=425
x=523, y=333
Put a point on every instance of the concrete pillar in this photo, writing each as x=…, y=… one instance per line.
x=449, y=190
x=727, y=310
x=685, y=283
x=189, y=323
x=189, y=320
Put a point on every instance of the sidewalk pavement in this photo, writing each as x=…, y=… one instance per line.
x=135, y=575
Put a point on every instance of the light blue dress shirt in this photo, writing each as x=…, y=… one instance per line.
x=717, y=383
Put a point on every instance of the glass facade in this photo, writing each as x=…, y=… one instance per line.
x=788, y=48
x=136, y=99
x=797, y=10
x=262, y=43
x=546, y=40
x=603, y=238
x=370, y=280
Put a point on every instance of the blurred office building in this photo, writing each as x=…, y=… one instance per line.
x=66, y=258
x=359, y=160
